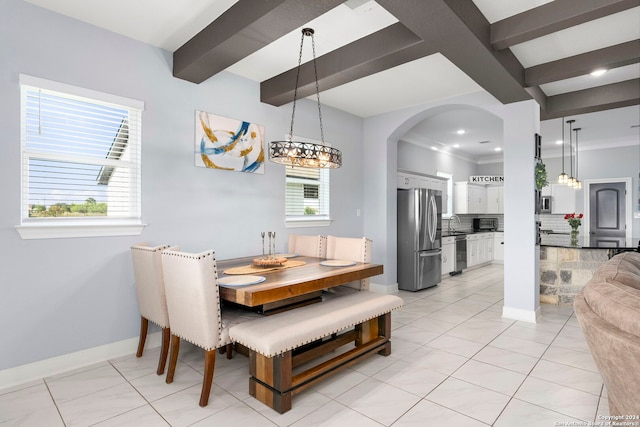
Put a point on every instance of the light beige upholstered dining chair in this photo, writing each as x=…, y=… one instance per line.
x=351, y=249
x=193, y=301
x=313, y=246
x=149, y=282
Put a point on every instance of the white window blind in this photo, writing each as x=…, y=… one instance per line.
x=80, y=156
x=307, y=195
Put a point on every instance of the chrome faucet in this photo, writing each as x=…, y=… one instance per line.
x=449, y=224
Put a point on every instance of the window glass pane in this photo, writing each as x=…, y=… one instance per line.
x=447, y=205
x=81, y=156
x=307, y=192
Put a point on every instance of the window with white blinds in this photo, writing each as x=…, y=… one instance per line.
x=80, y=160
x=306, y=196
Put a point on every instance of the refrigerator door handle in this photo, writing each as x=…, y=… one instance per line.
x=430, y=253
x=429, y=219
x=419, y=215
x=433, y=218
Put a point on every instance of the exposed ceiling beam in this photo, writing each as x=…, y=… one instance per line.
x=456, y=28
x=540, y=97
x=244, y=28
x=615, y=95
x=460, y=32
x=384, y=49
x=551, y=17
x=579, y=65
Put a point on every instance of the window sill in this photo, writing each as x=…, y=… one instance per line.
x=299, y=222
x=56, y=231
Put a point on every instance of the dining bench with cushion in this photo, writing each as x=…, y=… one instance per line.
x=287, y=351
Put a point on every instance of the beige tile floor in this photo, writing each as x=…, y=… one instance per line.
x=455, y=362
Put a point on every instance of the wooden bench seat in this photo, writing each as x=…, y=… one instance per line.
x=278, y=344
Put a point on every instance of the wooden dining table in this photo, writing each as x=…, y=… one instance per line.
x=291, y=285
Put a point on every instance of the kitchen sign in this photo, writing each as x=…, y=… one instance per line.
x=486, y=179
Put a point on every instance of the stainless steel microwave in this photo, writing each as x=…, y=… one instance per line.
x=545, y=204
x=485, y=224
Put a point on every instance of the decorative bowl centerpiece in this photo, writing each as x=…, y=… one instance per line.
x=269, y=262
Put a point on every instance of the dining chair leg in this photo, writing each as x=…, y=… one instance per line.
x=164, y=350
x=229, y=350
x=144, y=326
x=209, y=365
x=173, y=359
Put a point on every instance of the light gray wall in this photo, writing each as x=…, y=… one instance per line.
x=491, y=169
x=610, y=163
x=619, y=162
x=382, y=135
x=63, y=295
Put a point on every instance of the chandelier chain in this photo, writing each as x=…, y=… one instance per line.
x=295, y=90
x=562, y=144
x=298, y=153
x=315, y=69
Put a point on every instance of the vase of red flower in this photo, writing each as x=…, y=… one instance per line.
x=574, y=221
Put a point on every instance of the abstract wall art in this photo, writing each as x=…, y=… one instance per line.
x=228, y=144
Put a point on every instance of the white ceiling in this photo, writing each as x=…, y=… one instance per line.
x=168, y=24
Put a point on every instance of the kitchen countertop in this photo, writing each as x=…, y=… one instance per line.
x=587, y=242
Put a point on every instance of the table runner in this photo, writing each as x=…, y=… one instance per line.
x=254, y=269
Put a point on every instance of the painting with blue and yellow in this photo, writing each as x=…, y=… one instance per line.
x=228, y=144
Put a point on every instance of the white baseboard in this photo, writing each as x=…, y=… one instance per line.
x=530, y=316
x=45, y=368
x=383, y=289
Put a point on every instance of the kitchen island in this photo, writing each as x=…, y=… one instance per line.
x=567, y=264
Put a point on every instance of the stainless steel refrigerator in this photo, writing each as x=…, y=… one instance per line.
x=419, y=238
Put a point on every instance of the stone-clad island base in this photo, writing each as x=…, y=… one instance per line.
x=564, y=271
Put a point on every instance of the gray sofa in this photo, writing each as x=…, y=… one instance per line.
x=608, y=311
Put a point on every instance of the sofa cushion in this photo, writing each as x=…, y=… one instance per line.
x=623, y=268
x=616, y=303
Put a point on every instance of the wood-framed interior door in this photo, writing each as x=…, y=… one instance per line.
x=607, y=212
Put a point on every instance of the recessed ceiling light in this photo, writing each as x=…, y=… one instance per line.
x=456, y=145
x=559, y=142
x=434, y=148
x=497, y=149
x=598, y=72
x=461, y=131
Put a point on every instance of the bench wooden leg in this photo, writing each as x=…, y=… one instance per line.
x=144, y=326
x=272, y=380
x=384, y=330
x=269, y=375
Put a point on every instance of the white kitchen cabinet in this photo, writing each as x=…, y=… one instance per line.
x=495, y=199
x=479, y=249
x=563, y=199
x=498, y=247
x=486, y=248
x=469, y=198
x=473, y=250
x=407, y=181
x=448, y=254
